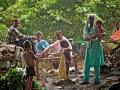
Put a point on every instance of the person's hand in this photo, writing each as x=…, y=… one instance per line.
x=43, y=54
x=86, y=38
x=90, y=37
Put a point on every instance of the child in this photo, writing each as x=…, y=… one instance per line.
x=100, y=30
x=66, y=52
x=41, y=44
x=29, y=58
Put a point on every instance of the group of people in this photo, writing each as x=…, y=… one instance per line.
x=36, y=46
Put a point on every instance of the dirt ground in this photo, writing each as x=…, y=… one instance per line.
x=107, y=79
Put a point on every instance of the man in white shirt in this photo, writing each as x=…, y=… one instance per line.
x=56, y=44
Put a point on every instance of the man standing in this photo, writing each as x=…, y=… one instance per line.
x=60, y=44
x=94, y=51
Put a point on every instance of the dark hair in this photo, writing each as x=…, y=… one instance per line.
x=15, y=20
x=59, y=32
x=64, y=44
x=27, y=44
x=91, y=17
x=99, y=21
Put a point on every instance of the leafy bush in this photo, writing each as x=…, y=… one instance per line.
x=35, y=84
x=12, y=80
x=3, y=31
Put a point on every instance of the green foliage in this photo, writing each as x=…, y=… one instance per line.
x=51, y=15
x=6, y=3
x=12, y=80
x=3, y=31
x=35, y=84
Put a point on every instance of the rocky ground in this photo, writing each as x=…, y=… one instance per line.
x=107, y=79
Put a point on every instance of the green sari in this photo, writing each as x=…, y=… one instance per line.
x=94, y=52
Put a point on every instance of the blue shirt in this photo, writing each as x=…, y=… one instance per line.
x=41, y=45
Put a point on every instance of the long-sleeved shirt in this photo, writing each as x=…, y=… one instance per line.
x=14, y=35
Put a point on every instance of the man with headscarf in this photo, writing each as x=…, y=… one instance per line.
x=94, y=51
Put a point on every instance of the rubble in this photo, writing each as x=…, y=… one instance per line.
x=113, y=58
x=64, y=82
x=109, y=75
x=8, y=54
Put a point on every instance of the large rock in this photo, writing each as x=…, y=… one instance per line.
x=9, y=52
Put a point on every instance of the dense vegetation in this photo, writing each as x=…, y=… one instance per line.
x=12, y=80
x=51, y=15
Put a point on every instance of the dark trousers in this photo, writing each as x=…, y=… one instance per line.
x=20, y=43
x=67, y=67
x=68, y=60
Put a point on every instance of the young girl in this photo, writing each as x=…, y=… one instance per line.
x=100, y=29
x=66, y=52
x=29, y=58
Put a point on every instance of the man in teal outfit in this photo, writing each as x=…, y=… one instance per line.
x=94, y=51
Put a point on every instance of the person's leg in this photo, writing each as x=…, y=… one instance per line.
x=32, y=73
x=16, y=43
x=67, y=61
x=26, y=84
x=86, y=72
x=29, y=88
x=86, y=75
x=97, y=75
x=27, y=80
x=20, y=42
x=67, y=68
x=30, y=83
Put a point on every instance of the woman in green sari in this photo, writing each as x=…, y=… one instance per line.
x=94, y=50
